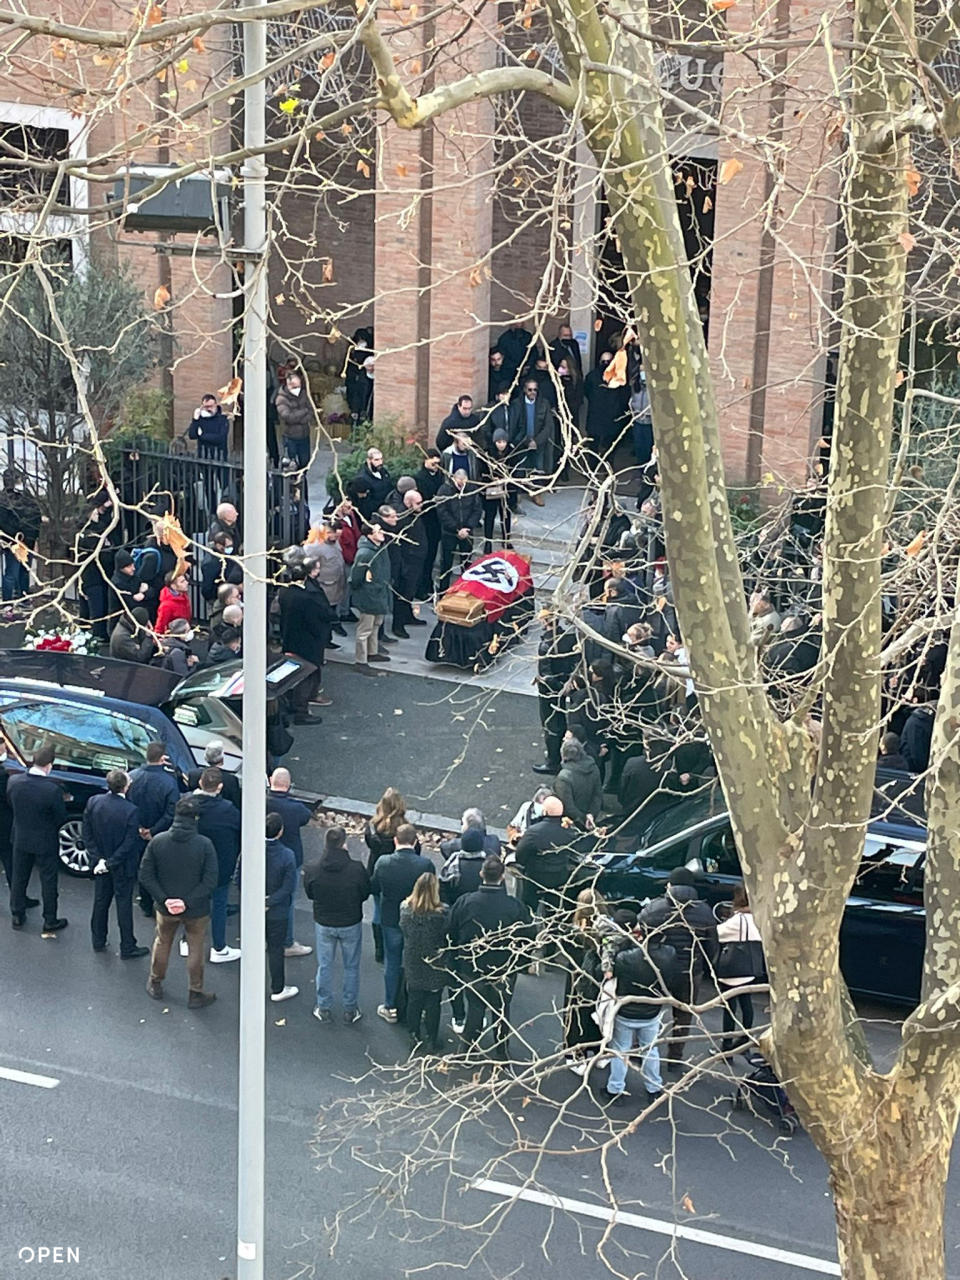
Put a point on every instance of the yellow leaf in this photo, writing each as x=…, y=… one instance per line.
x=280, y=299
x=288, y=106
x=183, y=66
x=687, y=1203
x=729, y=170
x=162, y=75
x=161, y=297
x=198, y=45
x=913, y=181
x=908, y=241
x=401, y=170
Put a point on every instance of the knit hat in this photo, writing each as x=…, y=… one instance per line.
x=122, y=560
x=140, y=615
x=499, y=435
x=472, y=840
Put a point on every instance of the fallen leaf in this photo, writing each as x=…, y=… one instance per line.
x=729, y=170
x=398, y=711
x=281, y=1022
x=687, y=1203
x=198, y=45
x=161, y=297
x=908, y=241
x=280, y=299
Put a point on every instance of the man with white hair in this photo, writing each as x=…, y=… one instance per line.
x=295, y=815
x=227, y=520
x=213, y=759
x=472, y=817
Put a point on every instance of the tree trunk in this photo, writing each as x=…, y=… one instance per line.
x=890, y=1218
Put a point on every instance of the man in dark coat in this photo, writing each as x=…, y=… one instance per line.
x=219, y=821
x=338, y=886
x=393, y=879
x=179, y=871
x=131, y=639
x=370, y=594
x=460, y=511
x=461, y=418
x=210, y=427
x=413, y=547
x=430, y=480
x=6, y=827
x=39, y=812
x=515, y=345
x=680, y=920
x=306, y=622
x=489, y=972
x=111, y=834
x=296, y=815
x=917, y=735
x=531, y=432
x=154, y=791
x=499, y=377
x=544, y=857
x=607, y=407
x=213, y=758
x=556, y=663
x=376, y=479
x=566, y=347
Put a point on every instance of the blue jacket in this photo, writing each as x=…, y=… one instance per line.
x=393, y=877
x=155, y=792
x=219, y=821
x=281, y=878
x=294, y=814
x=111, y=830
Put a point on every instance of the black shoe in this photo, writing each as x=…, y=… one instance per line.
x=350, y=616
x=135, y=954
x=54, y=926
x=387, y=640
x=416, y=622
x=200, y=999
x=544, y=768
x=308, y=719
x=654, y=1094
x=380, y=657
x=618, y=1099
x=99, y=946
x=333, y=646
x=18, y=921
x=31, y=902
x=402, y=633
x=338, y=629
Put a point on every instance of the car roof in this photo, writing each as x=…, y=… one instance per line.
x=25, y=690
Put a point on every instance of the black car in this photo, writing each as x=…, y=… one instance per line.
x=883, y=935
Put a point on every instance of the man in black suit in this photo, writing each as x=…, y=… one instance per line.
x=39, y=812
x=111, y=833
x=306, y=621
x=531, y=433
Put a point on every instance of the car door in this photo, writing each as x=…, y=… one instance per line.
x=716, y=865
x=883, y=935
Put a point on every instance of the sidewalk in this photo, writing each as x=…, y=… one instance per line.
x=545, y=534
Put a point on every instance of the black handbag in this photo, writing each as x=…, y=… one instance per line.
x=741, y=959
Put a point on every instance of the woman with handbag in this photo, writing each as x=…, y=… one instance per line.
x=740, y=964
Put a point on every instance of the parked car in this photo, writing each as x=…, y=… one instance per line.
x=101, y=714
x=883, y=935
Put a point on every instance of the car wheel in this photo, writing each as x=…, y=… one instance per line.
x=73, y=852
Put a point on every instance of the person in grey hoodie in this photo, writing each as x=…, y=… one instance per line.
x=579, y=785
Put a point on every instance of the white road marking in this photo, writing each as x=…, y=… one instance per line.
x=675, y=1230
x=27, y=1077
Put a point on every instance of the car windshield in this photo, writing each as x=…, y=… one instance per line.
x=90, y=739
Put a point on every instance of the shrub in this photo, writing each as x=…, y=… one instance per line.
x=401, y=456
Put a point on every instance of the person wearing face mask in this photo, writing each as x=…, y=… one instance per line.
x=210, y=427
x=297, y=419
x=177, y=656
x=217, y=569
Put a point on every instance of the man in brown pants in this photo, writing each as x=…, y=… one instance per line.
x=179, y=870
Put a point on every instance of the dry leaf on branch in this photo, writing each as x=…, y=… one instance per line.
x=908, y=241
x=729, y=170
x=364, y=168
x=229, y=393
x=161, y=296
x=198, y=45
x=913, y=178
x=327, y=272
x=154, y=16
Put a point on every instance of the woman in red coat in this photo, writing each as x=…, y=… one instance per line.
x=174, y=602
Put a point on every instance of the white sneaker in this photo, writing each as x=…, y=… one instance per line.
x=184, y=949
x=457, y=1027
x=388, y=1015
x=224, y=955
x=297, y=949
x=578, y=1066
x=286, y=994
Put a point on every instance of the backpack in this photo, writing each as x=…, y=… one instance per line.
x=147, y=562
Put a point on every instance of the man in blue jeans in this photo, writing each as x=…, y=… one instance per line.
x=645, y=973
x=393, y=878
x=338, y=886
x=219, y=821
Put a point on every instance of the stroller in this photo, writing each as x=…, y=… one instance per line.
x=762, y=1086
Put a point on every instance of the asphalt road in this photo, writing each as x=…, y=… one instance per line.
x=130, y=1158
x=444, y=746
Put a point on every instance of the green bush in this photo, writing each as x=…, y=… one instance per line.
x=144, y=415
x=401, y=457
